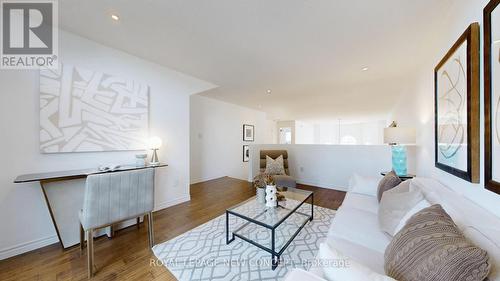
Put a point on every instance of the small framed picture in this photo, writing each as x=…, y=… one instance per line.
x=246, y=153
x=248, y=132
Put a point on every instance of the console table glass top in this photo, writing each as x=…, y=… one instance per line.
x=73, y=174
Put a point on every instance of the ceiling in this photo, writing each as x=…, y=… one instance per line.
x=309, y=52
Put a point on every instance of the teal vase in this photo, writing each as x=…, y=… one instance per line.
x=399, y=160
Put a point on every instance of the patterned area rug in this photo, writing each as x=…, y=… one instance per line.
x=202, y=253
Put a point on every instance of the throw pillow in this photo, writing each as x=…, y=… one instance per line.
x=337, y=267
x=430, y=247
x=275, y=166
x=417, y=208
x=364, y=185
x=389, y=181
x=395, y=204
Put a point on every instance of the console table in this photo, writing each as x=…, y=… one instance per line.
x=64, y=191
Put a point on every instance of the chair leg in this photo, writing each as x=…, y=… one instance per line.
x=90, y=252
x=151, y=235
x=82, y=238
x=138, y=222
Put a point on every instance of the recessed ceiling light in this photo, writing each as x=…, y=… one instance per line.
x=115, y=17
x=365, y=68
x=268, y=91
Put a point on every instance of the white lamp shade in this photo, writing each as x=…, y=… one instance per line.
x=399, y=135
x=154, y=143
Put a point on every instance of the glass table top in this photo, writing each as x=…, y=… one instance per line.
x=271, y=217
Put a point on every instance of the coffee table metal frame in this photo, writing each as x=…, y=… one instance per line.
x=275, y=256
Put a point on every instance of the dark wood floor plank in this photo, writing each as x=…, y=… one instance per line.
x=126, y=256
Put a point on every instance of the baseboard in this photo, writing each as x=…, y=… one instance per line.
x=219, y=177
x=321, y=184
x=42, y=242
x=172, y=202
x=205, y=179
x=28, y=246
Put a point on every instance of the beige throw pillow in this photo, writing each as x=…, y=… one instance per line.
x=395, y=204
x=390, y=180
x=419, y=207
x=430, y=247
x=275, y=166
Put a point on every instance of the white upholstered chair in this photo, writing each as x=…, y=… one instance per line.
x=114, y=197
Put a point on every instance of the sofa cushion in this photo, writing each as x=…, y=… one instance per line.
x=369, y=257
x=360, y=227
x=389, y=181
x=302, y=275
x=340, y=267
x=360, y=201
x=431, y=247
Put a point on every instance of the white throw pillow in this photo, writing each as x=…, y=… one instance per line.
x=337, y=267
x=395, y=204
x=419, y=207
x=364, y=185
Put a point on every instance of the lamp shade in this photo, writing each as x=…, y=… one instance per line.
x=154, y=143
x=399, y=135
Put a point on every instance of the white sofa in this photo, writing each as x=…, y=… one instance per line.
x=355, y=232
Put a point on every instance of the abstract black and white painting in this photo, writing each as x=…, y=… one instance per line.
x=248, y=132
x=457, y=108
x=492, y=95
x=84, y=110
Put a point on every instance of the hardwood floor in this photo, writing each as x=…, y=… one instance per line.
x=127, y=256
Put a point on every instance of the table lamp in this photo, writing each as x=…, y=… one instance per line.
x=154, y=144
x=397, y=138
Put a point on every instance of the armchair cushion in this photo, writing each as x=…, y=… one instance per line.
x=284, y=180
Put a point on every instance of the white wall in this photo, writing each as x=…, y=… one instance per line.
x=217, y=138
x=417, y=107
x=26, y=223
x=331, y=166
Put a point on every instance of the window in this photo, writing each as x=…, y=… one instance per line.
x=348, y=140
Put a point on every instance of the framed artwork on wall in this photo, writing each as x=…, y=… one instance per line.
x=248, y=132
x=492, y=96
x=246, y=153
x=456, y=105
x=84, y=110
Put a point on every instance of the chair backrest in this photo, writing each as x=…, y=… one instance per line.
x=273, y=154
x=116, y=196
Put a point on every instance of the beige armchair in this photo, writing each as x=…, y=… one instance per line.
x=281, y=180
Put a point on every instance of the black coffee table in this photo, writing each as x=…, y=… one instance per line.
x=284, y=222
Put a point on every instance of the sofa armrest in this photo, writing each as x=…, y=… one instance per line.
x=302, y=275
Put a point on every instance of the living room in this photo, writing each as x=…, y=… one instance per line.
x=250, y=140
